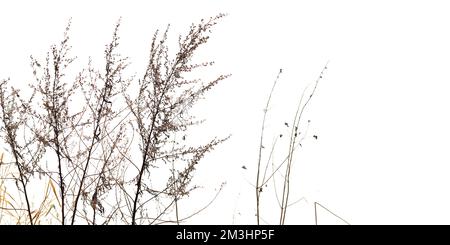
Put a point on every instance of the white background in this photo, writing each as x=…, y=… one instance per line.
x=380, y=113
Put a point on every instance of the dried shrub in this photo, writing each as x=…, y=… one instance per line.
x=87, y=149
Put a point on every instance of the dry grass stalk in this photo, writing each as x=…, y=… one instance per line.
x=263, y=177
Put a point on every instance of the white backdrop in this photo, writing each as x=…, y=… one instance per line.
x=380, y=113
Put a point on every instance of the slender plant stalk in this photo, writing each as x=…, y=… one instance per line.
x=175, y=192
x=22, y=181
x=315, y=213
x=95, y=135
x=296, y=122
x=144, y=161
x=11, y=130
x=21, y=175
x=257, y=185
x=61, y=183
x=326, y=209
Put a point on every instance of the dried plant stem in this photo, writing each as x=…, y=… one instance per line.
x=175, y=196
x=161, y=110
x=326, y=209
x=144, y=159
x=315, y=213
x=294, y=142
x=9, y=111
x=83, y=177
x=257, y=185
x=293, y=137
x=25, y=193
x=147, y=146
x=102, y=103
x=61, y=181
